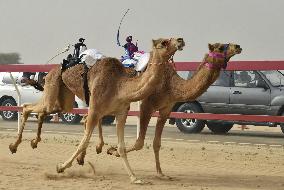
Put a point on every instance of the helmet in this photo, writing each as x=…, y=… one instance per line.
x=129, y=38
x=81, y=40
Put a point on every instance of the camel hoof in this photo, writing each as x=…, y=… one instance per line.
x=59, y=168
x=98, y=149
x=12, y=148
x=33, y=144
x=80, y=161
x=113, y=151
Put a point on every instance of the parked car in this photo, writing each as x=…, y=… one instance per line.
x=235, y=92
x=8, y=97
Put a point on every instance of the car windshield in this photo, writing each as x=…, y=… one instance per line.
x=276, y=78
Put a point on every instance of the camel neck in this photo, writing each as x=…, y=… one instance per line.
x=189, y=90
x=143, y=85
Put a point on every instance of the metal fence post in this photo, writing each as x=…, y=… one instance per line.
x=19, y=100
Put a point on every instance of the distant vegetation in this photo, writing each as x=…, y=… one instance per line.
x=10, y=58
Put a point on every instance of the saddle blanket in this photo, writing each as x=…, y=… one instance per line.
x=139, y=61
x=90, y=57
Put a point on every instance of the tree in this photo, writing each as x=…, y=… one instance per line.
x=10, y=58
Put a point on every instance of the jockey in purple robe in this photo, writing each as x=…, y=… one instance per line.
x=129, y=47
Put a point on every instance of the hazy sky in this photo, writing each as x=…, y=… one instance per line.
x=38, y=29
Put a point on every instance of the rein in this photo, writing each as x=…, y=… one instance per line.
x=170, y=62
x=219, y=56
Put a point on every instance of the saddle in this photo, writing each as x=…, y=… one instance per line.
x=69, y=62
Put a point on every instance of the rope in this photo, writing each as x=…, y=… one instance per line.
x=63, y=51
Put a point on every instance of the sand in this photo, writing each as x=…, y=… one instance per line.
x=196, y=166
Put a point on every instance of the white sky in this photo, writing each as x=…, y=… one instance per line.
x=38, y=29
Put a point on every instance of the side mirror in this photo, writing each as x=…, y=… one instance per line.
x=261, y=84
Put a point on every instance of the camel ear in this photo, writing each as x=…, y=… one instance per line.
x=165, y=43
x=210, y=47
x=155, y=42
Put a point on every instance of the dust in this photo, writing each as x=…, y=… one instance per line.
x=87, y=172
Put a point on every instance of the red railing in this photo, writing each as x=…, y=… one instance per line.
x=181, y=66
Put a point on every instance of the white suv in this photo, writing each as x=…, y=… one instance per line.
x=9, y=97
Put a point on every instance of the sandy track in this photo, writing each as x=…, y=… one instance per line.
x=192, y=166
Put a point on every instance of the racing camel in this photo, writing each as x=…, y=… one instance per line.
x=111, y=92
x=174, y=89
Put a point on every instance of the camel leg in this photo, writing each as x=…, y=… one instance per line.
x=46, y=105
x=145, y=116
x=81, y=157
x=92, y=121
x=121, y=119
x=164, y=113
x=35, y=141
x=65, y=100
x=99, y=146
x=26, y=111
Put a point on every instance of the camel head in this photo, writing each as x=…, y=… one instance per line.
x=166, y=48
x=219, y=54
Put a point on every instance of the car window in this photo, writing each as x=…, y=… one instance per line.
x=223, y=79
x=246, y=79
x=41, y=77
x=276, y=78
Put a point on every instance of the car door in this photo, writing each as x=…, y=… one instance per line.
x=245, y=96
x=28, y=94
x=216, y=98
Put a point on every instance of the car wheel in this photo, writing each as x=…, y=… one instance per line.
x=108, y=120
x=282, y=128
x=219, y=128
x=48, y=118
x=9, y=115
x=71, y=118
x=190, y=125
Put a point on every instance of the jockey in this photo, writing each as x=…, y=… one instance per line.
x=71, y=60
x=79, y=48
x=129, y=47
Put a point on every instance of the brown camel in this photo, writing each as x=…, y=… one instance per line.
x=111, y=90
x=174, y=89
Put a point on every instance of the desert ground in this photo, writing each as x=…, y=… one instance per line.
x=196, y=166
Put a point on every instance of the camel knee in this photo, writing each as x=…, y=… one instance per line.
x=26, y=111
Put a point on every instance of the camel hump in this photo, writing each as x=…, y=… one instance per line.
x=110, y=64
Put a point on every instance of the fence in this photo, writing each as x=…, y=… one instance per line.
x=180, y=66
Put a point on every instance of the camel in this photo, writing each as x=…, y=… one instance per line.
x=111, y=92
x=174, y=89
